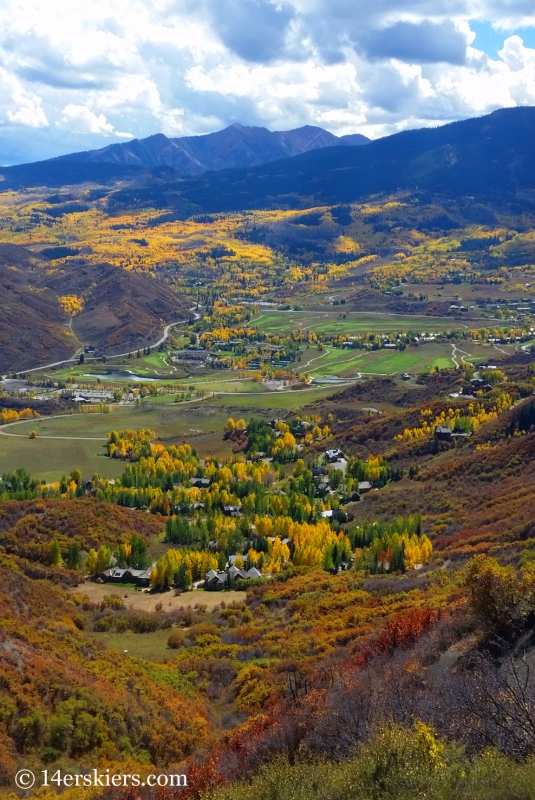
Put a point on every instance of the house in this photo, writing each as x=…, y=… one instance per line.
x=115, y=574
x=201, y=482
x=232, y=511
x=141, y=577
x=215, y=581
x=333, y=455
x=254, y=573
x=365, y=486
x=443, y=433
x=318, y=471
x=353, y=498
x=92, y=395
x=327, y=514
x=235, y=573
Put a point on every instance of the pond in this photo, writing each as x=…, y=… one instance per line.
x=121, y=375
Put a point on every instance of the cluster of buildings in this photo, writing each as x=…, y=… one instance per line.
x=217, y=581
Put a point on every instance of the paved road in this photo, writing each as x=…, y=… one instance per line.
x=117, y=355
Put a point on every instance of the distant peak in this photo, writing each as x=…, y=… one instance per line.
x=154, y=137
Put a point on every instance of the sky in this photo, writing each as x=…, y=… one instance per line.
x=83, y=74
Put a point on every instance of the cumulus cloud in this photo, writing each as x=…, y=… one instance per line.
x=79, y=119
x=19, y=105
x=76, y=76
x=255, y=30
x=421, y=43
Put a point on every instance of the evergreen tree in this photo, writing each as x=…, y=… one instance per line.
x=138, y=555
x=183, y=578
x=120, y=555
x=74, y=556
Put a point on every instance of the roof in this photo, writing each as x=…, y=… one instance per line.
x=254, y=573
x=212, y=575
x=114, y=572
x=234, y=572
x=140, y=573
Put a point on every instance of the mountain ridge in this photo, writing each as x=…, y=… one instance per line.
x=235, y=146
x=121, y=310
x=482, y=156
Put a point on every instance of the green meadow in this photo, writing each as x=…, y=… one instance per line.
x=78, y=440
x=351, y=322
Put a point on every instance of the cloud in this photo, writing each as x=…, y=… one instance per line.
x=19, y=105
x=421, y=43
x=254, y=30
x=79, y=75
x=79, y=119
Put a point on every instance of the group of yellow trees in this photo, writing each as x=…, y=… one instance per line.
x=10, y=415
x=71, y=304
x=467, y=418
x=194, y=563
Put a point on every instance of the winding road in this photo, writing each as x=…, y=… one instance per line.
x=73, y=358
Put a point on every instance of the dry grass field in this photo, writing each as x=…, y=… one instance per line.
x=137, y=600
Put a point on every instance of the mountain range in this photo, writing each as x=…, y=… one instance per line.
x=235, y=146
x=490, y=156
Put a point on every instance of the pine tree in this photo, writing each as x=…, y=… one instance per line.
x=183, y=578
x=74, y=556
x=138, y=553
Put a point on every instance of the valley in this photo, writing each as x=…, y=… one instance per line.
x=266, y=459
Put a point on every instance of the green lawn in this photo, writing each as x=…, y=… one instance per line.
x=152, y=646
x=288, y=400
x=442, y=363
x=330, y=322
x=332, y=362
x=153, y=365
x=389, y=362
x=347, y=364
x=50, y=458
